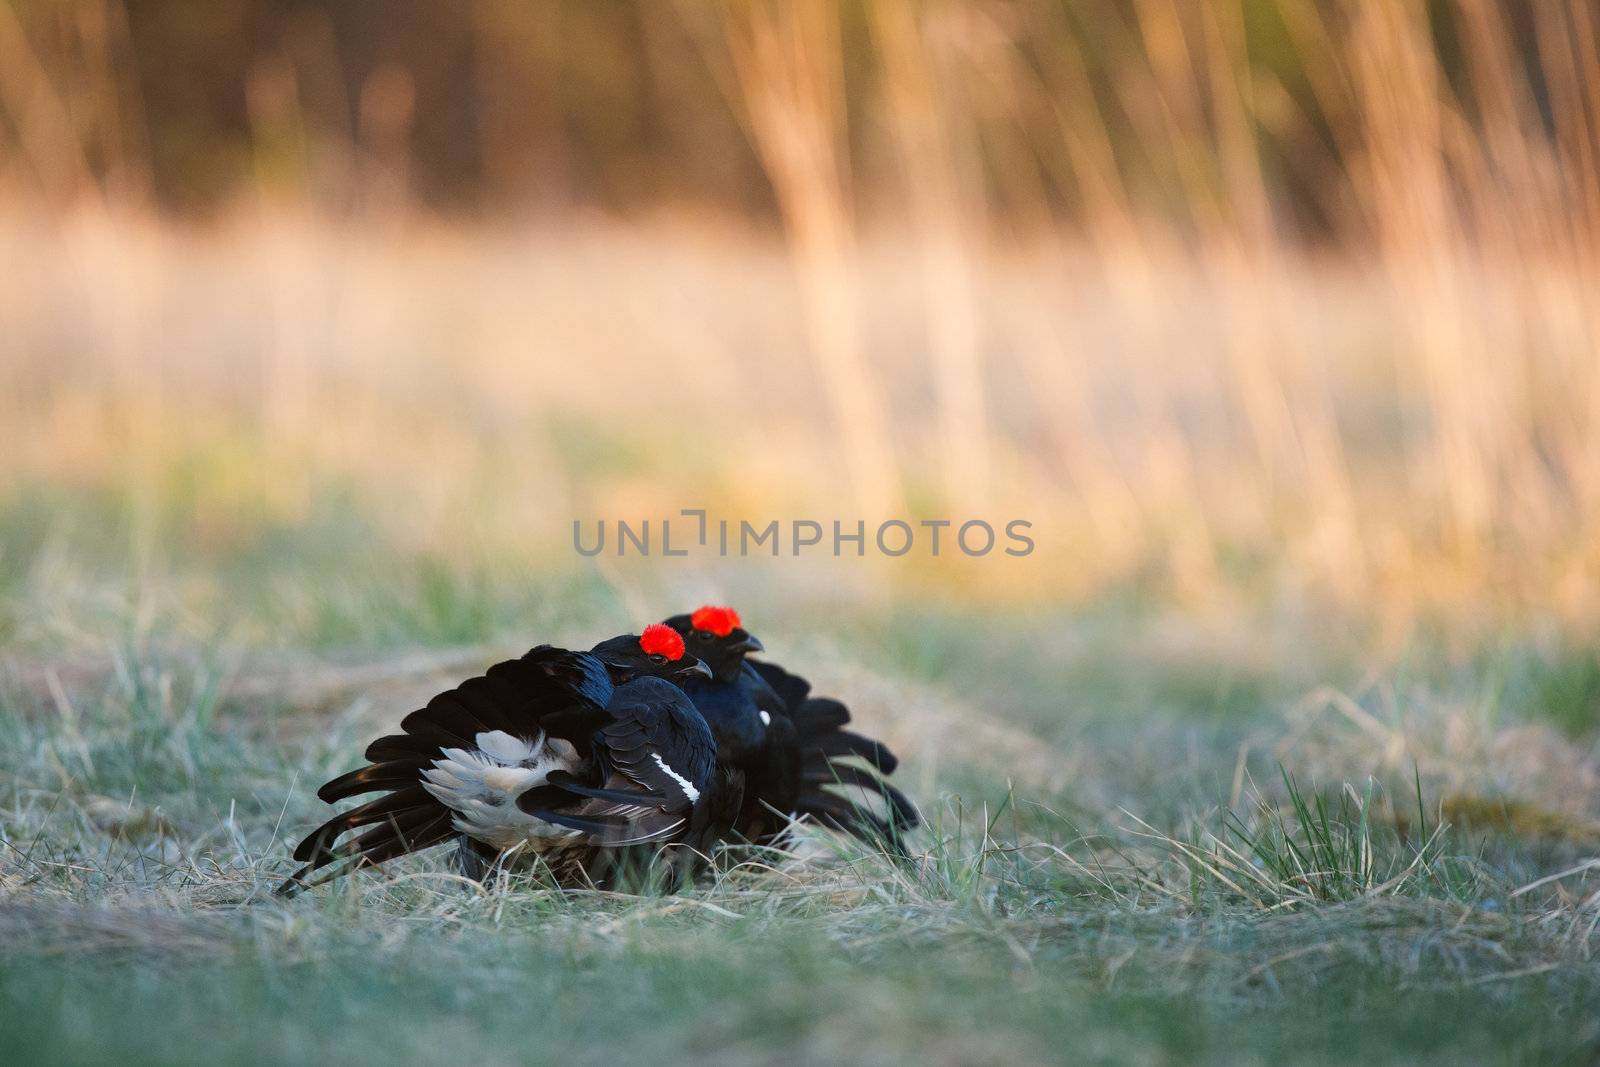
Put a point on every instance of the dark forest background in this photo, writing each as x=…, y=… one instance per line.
x=498, y=106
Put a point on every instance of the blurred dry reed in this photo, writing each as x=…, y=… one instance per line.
x=1312, y=315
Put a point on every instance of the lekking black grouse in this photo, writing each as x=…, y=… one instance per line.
x=579, y=758
x=790, y=746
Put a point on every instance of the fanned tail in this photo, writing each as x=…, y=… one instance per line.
x=400, y=831
x=825, y=746
x=841, y=813
x=903, y=813
x=843, y=743
x=405, y=819
x=510, y=698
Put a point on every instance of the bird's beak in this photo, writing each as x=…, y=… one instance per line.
x=750, y=644
x=702, y=670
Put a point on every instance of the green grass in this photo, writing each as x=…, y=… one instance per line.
x=1139, y=849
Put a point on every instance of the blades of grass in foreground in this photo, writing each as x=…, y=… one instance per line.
x=1303, y=850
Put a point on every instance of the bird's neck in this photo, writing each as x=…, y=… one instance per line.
x=597, y=686
x=728, y=672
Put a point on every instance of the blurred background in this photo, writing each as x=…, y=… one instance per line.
x=322, y=320
x=1245, y=304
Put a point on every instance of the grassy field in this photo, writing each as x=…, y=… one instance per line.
x=1275, y=318
x=1151, y=837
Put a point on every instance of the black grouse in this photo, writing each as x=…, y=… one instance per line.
x=790, y=745
x=583, y=759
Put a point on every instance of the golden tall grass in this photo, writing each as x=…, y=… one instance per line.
x=1073, y=290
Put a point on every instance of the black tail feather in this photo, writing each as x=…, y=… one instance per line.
x=408, y=831
x=425, y=726
x=396, y=747
x=838, y=813
x=849, y=743
x=396, y=774
x=904, y=813
x=404, y=832
x=400, y=802
x=818, y=716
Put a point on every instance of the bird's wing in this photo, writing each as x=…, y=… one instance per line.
x=655, y=754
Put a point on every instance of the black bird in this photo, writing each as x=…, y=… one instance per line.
x=579, y=758
x=790, y=745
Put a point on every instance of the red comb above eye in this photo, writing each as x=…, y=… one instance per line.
x=719, y=621
x=660, y=639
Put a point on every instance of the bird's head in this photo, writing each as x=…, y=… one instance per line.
x=658, y=652
x=716, y=636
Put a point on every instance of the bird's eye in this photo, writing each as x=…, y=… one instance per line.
x=704, y=635
x=656, y=657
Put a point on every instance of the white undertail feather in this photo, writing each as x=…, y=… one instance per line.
x=481, y=785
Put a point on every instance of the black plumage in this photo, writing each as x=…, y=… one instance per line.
x=654, y=759
x=791, y=746
x=567, y=755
